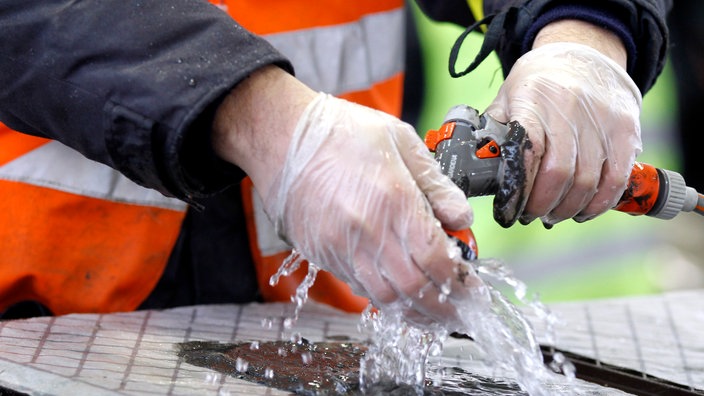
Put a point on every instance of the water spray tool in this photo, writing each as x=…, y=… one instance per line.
x=469, y=148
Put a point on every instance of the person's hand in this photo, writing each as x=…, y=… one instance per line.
x=580, y=110
x=358, y=194
x=361, y=197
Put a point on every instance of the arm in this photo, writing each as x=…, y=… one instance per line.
x=252, y=127
x=577, y=31
x=642, y=21
x=110, y=80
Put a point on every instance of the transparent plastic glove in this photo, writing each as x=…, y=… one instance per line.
x=580, y=110
x=361, y=197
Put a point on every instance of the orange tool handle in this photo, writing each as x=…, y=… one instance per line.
x=466, y=242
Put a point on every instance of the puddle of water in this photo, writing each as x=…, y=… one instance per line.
x=304, y=367
x=325, y=368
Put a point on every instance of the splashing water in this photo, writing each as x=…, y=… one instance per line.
x=241, y=365
x=267, y=323
x=398, y=351
x=318, y=377
x=291, y=264
x=496, y=269
x=506, y=338
x=268, y=373
x=306, y=358
x=296, y=338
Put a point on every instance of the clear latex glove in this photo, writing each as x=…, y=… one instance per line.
x=580, y=110
x=361, y=196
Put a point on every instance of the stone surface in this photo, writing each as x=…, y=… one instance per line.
x=138, y=352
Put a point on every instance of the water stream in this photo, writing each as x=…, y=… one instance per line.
x=399, y=352
x=396, y=358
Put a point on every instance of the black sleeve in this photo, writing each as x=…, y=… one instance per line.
x=511, y=21
x=454, y=11
x=129, y=83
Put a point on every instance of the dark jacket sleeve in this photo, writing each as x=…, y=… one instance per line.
x=132, y=84
x=511, y=21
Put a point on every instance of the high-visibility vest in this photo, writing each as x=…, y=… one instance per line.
x=76, y=235
x=80, y=237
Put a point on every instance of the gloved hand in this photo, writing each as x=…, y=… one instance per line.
x=580, y=111
x=361, y=197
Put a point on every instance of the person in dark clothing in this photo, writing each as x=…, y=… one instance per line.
x=183, y=99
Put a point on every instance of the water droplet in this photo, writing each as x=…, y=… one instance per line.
x=282, y=352
x=306, y=357
x=179, y=60
x=241, y=365
x=254, y=345
x=435, y=350
x=422, y=290
x=569, y=370
x=268, y=373
x=559, y=358
x=288, y=323
x=296, y=338
x=267, y=323
x=520, y=290
x=192, y=82
x=446, y=287
x=212, y=378
x=560, y=364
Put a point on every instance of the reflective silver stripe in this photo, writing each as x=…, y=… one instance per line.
x=57, y=166
x=346, y=57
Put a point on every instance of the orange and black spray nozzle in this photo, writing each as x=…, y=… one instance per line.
x=658, y=193
x=468, y=146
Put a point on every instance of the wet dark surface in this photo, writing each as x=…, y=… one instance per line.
x=324, y=368
x=303, y=368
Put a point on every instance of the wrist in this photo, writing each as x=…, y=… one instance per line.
x=252, y=127
x=577, y=31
